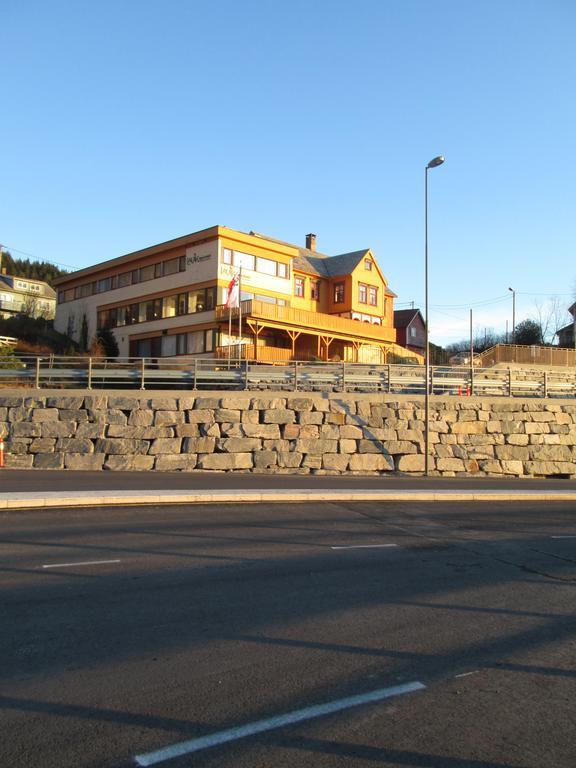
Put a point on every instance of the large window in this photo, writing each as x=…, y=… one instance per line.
x=266, y=266
x=299, y=287
x=338, y=293
x=373, y=295
x=362, y=293
x=315, y=290
x=244, y=260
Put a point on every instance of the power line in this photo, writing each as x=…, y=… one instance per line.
x=32, y=256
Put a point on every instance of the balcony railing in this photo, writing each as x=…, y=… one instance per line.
x=302, y=319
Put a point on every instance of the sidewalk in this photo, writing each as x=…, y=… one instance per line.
x=28, y=489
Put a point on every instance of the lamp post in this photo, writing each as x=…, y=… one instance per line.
x=513, y=315
x=432, y=164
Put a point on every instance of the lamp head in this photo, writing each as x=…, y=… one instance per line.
x=511, y=289
x=435, y=162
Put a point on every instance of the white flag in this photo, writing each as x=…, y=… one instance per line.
x=233, y=291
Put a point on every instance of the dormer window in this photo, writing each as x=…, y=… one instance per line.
x=368, y=264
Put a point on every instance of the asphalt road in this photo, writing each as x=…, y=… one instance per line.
x=128, y=631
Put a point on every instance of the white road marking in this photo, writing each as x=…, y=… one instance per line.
x=299, y=715
x=365, y=546
x=465, y=674
x=563, y=537
x=74, y=565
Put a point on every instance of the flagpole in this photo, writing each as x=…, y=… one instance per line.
x=240, y=314
x=229, y=333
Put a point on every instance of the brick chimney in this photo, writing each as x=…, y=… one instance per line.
x=311, y=242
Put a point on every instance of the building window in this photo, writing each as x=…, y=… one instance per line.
x=299, y=287
x=124, y=279
x=244, y=260
x=338, y=293
x=147, y=273
x=362, y=293
x=171, y=267
x=368, y=264
x=412, y=332
x=373, y=295
x=227, y=256
x=315, y=290
x=282, y=269
x=266, y=266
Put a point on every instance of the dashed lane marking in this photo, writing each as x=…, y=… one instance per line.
x=75, y=565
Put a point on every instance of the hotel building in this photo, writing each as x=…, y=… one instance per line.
x=296, y=303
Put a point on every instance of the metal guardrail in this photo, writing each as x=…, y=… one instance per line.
x=63, y=372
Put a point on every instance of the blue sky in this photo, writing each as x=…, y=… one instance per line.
x=129, y=123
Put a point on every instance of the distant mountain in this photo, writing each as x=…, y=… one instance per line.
x=34, y=270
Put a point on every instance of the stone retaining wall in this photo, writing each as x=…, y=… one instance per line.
x=290, y=434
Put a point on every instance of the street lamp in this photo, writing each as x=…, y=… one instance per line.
x=513, y=315
x=432, y=164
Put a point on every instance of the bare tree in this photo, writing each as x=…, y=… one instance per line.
x=550, y=316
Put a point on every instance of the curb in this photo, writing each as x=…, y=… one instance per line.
x=42, y=500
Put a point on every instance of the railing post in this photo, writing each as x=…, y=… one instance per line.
x=509, y=382
x=37, y=381
x=194, y=383
x=389, y=379
x=545, y=383
x=89, y=373
x=472, y=377
x=142, y=373
x=343, y=376
x=295, y=375
x=246, y=373
x=431, y=379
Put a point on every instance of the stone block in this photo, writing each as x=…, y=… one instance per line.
x=291, y=431
x=124, y=403
x=550, y=453
x=347, y=407
x=84, y=461
x=122, y=445
x=413, y=435
x=536, y=428
x=26, y=429
x=299, y=404
x=49, y=461
x=13, y=461
x=126, y=463
x=69, y=414
x=513, y=468
x=164, y=404
x=450, y=465
x=227, y=415
x=518, y=439
x=96, y=402
x=335, y=418
x=225, y=461
x=278, y=445
x=207, y=403
x=226, y=429
x=336, y=461
x=174, y=463
x=91, y=431
x=235, y=403
x=312, y=462
x=268, y=431
x=40, y=415
x=371, y=462
x=400, y=446
x=347, y=446
x=546, y=468
x=169, y=418
x=469, y=427
x=278, y=416
x=512, y=452
x=74, y=445
x=200, y=416
x=58, y=429
x=141, y=418
x=265, y=459
x=166, y=445
x=289, y=459
x=310, y=417
x=185, y=403
x=139, y=433
x=10, y=402
x=250, y=417
x=64, y=402
x=316, y=446
x=196, y=445
x=411, y=463
x=238, y=444
x=327, y=431
x=42, y=445
x=350, y=432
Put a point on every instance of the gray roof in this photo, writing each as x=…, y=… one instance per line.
x=328, y=266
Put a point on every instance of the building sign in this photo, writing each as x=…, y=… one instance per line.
x=251, y=279
x=195, y=259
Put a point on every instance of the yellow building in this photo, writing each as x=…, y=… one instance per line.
x=296, y=303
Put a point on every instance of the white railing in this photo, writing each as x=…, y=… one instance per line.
x=202, y=373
